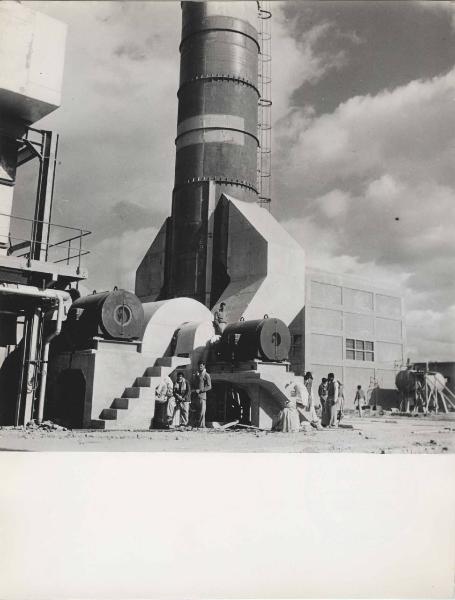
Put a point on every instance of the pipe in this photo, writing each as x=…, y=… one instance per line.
x=61, y=297
x=45, y=358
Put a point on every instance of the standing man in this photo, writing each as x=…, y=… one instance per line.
x=308, y=381
x=180, y=399
x=163, y=397
x=332, y=399
x=359, y=400
x=322, y=393
x=220, y=319
x=311, y=407
x=201, y=385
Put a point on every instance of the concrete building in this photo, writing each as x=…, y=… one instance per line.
x=351, y=328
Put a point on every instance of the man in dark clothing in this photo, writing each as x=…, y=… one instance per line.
x=332, y=399
x=180, y=399
x=220, y=319
x=323, y=393
x=201, y=385
x=359, y=400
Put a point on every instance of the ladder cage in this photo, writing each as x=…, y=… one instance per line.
x=264, y=166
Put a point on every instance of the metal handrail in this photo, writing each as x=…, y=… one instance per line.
x=44, y=222
x=64, y=245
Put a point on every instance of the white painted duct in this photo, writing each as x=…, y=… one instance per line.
x=193, y=340
x=163, y=318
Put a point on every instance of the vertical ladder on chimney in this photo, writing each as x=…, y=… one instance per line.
x=265, y=104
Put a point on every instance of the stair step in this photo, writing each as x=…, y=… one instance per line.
x=157, y=371
x=108, y=414
x=147, y=381
x=97, y=424
x=172, y=361
x=138, y=392
x=121, y=403
x=142, y=425
x=138, y=412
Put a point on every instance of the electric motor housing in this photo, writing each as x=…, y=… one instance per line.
x=266, y=339
x=116, y=315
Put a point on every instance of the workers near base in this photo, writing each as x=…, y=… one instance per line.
x=323, y=393
x=297, y=409
x=333, y=406
x=220, y=319
x=287, y=420
x=180, y=399
x=163, y=395
x=311, y=414
x=201, y=384
x=360, y=400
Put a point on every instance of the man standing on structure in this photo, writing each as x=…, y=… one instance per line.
x=202, y=384
x=220, y=319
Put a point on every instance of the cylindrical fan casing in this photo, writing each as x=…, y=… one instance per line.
x=266, y=339
x=116, y=315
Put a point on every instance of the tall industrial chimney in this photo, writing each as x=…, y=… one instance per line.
x=218, y=99
x=219, y=243
x=216, y=128
x=216, y=143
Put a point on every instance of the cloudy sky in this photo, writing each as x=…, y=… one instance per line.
x=364, y=134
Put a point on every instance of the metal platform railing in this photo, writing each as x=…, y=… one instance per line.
x=65, y=243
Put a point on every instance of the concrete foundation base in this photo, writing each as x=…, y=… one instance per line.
x=264, y=384
x=110, y=387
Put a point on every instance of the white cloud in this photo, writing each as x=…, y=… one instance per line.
x=118, y=116
x=114, y=260
x=432, y=333
x=397, y=131
x=372, y=186
x=296, y=61
x=445, y=6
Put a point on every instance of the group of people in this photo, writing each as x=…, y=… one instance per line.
x=322, y=411
x=183, y=395
x=331, y=398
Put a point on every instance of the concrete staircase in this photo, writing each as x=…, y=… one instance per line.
x=136, y=406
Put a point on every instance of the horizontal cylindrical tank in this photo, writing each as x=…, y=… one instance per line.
x=116, y=315
x=405, y=381
x=266, y=339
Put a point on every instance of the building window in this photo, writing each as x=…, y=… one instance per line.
x=359, y=350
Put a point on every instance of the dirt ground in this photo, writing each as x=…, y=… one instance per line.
x=381, y=434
